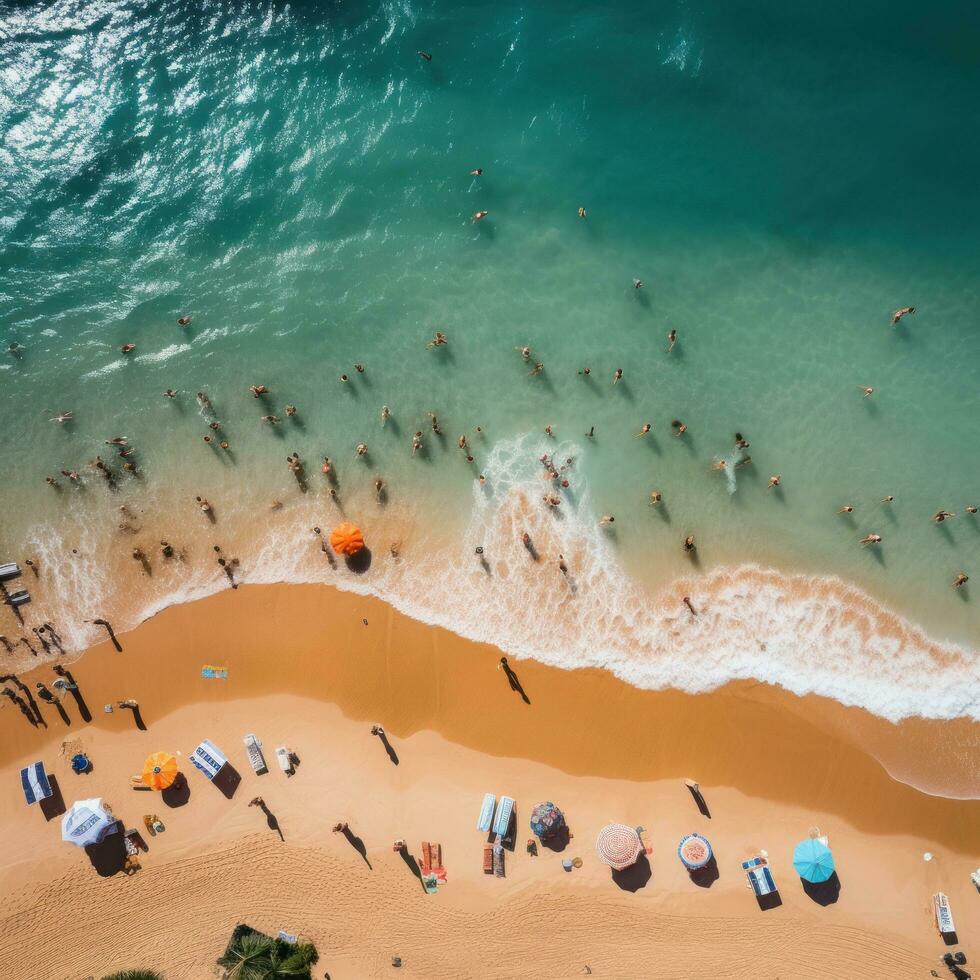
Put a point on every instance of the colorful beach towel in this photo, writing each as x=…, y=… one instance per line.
x=211, y=672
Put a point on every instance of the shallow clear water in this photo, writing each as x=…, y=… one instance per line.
x=297, y=179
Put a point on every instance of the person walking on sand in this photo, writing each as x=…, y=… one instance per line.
x=871, y=539
x=898, y=314
x=961, y=579
x=377, y=730
x=687, y=602
x=867, y=389
x=671, y=340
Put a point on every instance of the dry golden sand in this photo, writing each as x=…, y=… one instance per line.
x=305, y=671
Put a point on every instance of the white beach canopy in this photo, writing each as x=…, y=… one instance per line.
x=618, y=846
x=87, y=822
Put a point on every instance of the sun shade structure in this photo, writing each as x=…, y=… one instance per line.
x=813, y=860
x=618, y=846
x=35, y=782
x=694, y=851
x=546, y=821
x=160, y=770
x=347, y=539
x=87, y=822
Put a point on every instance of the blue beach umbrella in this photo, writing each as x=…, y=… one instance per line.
x=813, y=861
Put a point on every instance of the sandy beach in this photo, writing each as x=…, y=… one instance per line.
x=306, y=671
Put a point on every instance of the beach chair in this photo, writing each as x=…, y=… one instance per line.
x=435, y=860
x=285, y=762
x=253, y=748
x=136, y=782
x=501, y=823
x=485, y=820
x=426, y=857
x=208, y=758
x=488, y=859
x=761, y=880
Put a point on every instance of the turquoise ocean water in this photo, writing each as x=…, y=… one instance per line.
x=296, y=178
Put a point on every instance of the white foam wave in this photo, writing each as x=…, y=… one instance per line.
x=163, y=355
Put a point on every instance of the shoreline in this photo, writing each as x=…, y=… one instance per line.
x=305, y=671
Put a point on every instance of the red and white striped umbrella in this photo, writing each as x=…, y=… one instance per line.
x=618, y=846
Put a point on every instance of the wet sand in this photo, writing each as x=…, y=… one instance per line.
x=305, y=671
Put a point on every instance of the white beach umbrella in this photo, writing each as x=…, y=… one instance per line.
x=87, y=822
x=618, y=846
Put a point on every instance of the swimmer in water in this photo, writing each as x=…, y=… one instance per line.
x=361, y=449
x=888, y=499
x=618, y=376
x=970, y=508
x=379, y=487
x=525, y=352
x=170, y=393
x=128, y=348
x=425, y=55
x=871, y=539
x=258, y=390
x=549, y=430
x=898, y=314
x=344, y=378
x=585, y=372
x=290, y=410
x=846, y=509
x=183, y=321
x=689, y=544
x=435, y=424
x=606, y=520
x=477, y=173
x=720, y=464
x=416, y=442
x=774, y=481
x=480, y=215
x=646, y=428
x=867, y=389
x=655, y=497
x=461, y=442
x=271, y=419
x=591, y=433
x=637, y=284
x=326, y=466
x=537, y=369
x=439, y=340
x=671, y=340
x=941, y=516
x=385, y=415
x=961, y=579
x=63, y=417
x=582, y=213
x=679, y=426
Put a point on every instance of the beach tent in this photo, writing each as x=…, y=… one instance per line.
x=160, y=770
x=35, y=782
x=208, y=758
x=88, y=822
x=618, y=846
x=546, y=821
x=694, y=851
x=346, y=539
x=813, y=860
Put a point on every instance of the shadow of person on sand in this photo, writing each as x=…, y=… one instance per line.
x=356, y=842
x=513, y=680
x=413, y=866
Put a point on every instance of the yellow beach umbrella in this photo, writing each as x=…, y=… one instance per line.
x=160, y=770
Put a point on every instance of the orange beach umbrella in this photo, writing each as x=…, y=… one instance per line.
x=346, y=539
x=160, y=770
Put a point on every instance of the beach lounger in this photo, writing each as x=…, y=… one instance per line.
x=285, y=762
x=761, y=880
x=498, y=861
x=136, y=782
x=426, y=857
x=9, y=570
x=18, y=598
x=488, y=859
x=501, y=823
x=253, y=747
x=207, y=757
x=944, y=914
x=486, y=813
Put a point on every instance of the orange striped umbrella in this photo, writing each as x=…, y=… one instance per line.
x=346, y=539
x=160, y=770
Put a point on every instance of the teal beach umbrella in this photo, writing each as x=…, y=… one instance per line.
x=813, y=861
